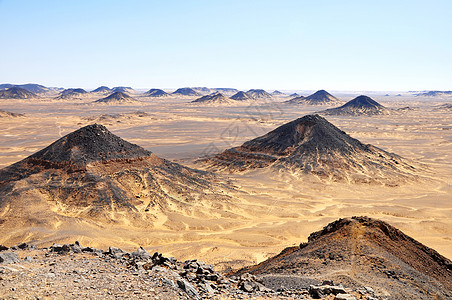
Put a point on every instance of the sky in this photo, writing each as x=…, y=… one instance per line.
x=383, y=45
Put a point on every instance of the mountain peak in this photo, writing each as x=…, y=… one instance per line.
x=215, y=98
x=116, y=97
x=88, y=144
x=312, y=145
x=16, y=93
x=361, y=105
x=321, y=97
x=240, y=96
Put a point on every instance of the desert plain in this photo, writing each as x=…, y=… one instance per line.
x=267, y=211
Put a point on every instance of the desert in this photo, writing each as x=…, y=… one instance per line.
x=225, y=150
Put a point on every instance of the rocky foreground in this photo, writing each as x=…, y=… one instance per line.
x=72, y=271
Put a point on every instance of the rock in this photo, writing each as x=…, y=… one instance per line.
x=247, y=286
x=22, y=246
x=8, y=258
x=28, y=259
x=188, y=288
x=344, y=297
x=323, y=290
x=3, y=248
x=114, y=250
x=140, y=253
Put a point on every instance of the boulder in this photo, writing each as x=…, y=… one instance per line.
x=8, y=258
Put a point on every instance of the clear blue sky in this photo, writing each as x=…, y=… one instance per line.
x=335, y=45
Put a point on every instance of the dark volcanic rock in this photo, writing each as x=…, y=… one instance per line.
x=277, y=93
x=186, y=92
x=258, y=94
x=7, y=114
x=116, y=97
x=240, y=96
x=156, y=93
x=434, y=93
x=320, y=97
x=361, y=105
x=93, y=143
x=216, y=98
x=124, y=89
x=94, y=175
x=72, y=93
x=313, y=145
x=361, y=250
x=102, y=89
x=16, y=93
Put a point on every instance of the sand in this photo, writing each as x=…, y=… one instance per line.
x=270, y=211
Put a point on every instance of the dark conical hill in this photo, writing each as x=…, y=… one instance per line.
x=320, y=97
x=88, y=144
x=116, y=97
x=361, y=105
x=312, y=145
x=16, y=93
x=186, y=92
x=362, y=251
x=156, y=93
x=240, y=96
x=215, y=98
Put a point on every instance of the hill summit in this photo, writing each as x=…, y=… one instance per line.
x=240, y=96
x=116, y=97
x=215, y=98
x=156, y=93
x=91, y=177
x=313, y=145
x=186, y=92
x=258, y=94
x=16, y=93
x=320, y=97
x=362, y=251
x=88, y=144
x=361, y=105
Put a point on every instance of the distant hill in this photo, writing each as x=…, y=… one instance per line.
x=102, y=90
x=362, y=251
x=446, y=107
x=434, y=93
x=312, y=145
x=31, y=87
x=361, y=105
x=124, y=89
x=258, y=94
x=320, y=97
x=215, y=98
x=116, y=98
x=202, y=90
x=73, y=93
x=93, y=176
x=277, y=93
x=226, y=91
x=294, y=95
x=156, y=93
x=7, y=114
x=186, y=92
x=241, y=96
x=17, y=93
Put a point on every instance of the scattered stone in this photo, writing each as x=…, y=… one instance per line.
x=188, y=288
x=344, y=297
x=140, y=253
x=9, y=258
